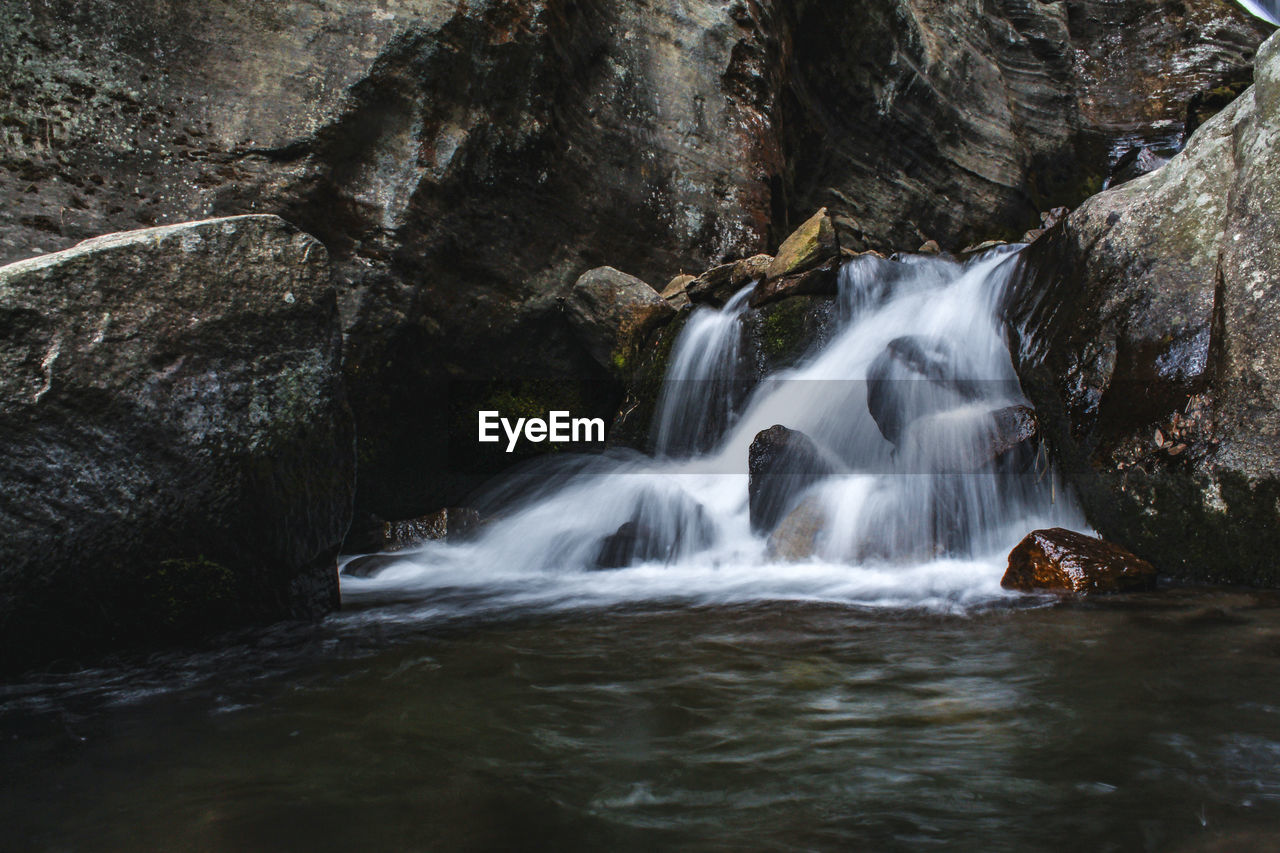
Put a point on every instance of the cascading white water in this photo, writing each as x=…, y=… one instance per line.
x=1267, y=10
x=924, y=520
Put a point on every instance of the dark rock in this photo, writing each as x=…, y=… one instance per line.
x=449, y=523
x=1058, y=560
x=1150, y=345
x=779, y=334
x=664, y=528
x=613, y=313
x=880, y=128
x=823, y=280
x=634, y=418
x=714, y=287
x=1135, y=163
x=782, y=463
x=179, y=453
x=915, y=377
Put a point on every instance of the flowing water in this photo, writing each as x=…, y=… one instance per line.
x=881, y=692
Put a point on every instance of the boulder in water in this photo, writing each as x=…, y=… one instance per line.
x=1149, y=342
x=915, y=377
x=1058, y=560
x=970, y=439
x=810, y=245
x=796, y=536
x=613, y=313
x=782, y=463
x=179, y=454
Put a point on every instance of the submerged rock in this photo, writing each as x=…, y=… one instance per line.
x=782, y=463
x=797, y=536
x=613, y=313
x=179, y=452
x=1149, y=341
x=1058, y=560
x=664, y=528
x=915, y=377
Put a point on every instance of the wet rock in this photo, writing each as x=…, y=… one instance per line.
x=1150, y=346
x=972, y=439
x=613, y=313
x=782, y=463
x=714, y=287
x=1135, y=163
x=664, y=528
x=915, y=377
x=449, y=523
x=634, y=418
x=179, y=451
x=797, y=536
x=779, y=334
x=1058, y=560
x=812, y=244
x=823, y=280
x=930, y=247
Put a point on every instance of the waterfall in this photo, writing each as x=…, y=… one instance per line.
x=1267, y=10
x=903, y=404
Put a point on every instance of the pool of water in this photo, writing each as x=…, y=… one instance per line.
x=1132, y=723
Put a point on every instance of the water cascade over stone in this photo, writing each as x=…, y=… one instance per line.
x=929, y=472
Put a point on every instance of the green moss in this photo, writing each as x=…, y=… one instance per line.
x=783, y=337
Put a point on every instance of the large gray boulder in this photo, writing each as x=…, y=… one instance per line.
x=1150, y=344
x=178, y=451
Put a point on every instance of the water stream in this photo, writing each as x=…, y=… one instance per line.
x=924, y=519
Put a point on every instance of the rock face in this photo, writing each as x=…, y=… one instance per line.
x=1058, y=560
x=1150, y=346
x=613, y=314
x=465, y=163
x=781, y=464
x=179, y=452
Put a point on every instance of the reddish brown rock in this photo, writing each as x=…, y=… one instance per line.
x=1058, y=560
